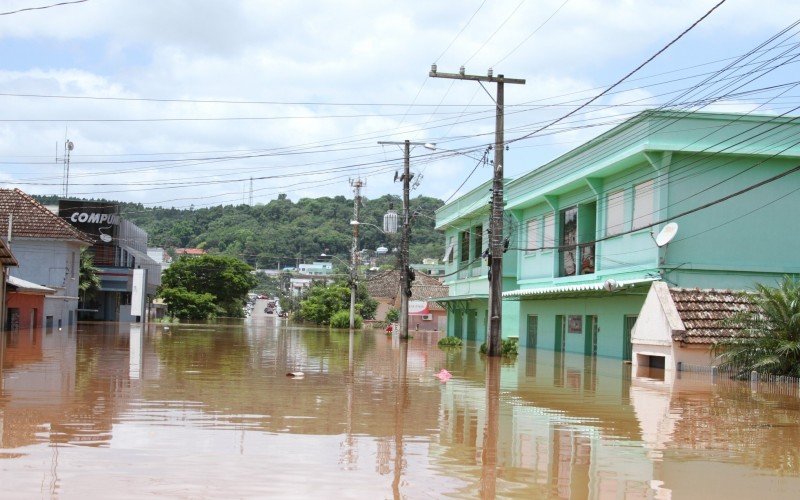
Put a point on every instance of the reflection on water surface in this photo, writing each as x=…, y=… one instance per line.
x=208, y=411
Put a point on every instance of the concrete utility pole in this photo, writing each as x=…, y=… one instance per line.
x=357, y=185
x=405, y=269
x=496, y=222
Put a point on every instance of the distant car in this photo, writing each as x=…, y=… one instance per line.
x=269, y=311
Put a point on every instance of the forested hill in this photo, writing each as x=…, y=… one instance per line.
x=282, y=231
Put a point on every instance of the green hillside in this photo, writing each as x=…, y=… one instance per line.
x=282, y=231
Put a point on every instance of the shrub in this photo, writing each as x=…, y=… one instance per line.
x=341, y=319
x=508, y=348
x=450, y=342
x=392, y=315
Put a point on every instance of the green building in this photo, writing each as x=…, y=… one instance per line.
x=583, y=253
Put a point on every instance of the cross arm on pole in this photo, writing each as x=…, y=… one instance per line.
x=476, y=78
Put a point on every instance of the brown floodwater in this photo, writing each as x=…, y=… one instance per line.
x=121, y=411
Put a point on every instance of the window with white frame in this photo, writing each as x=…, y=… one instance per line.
x=549, y=231
x=643, y=202
x=615, y=212
x=533, y=235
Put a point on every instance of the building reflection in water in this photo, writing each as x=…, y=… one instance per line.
x=370, y=413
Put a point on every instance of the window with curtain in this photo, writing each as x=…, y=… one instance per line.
x=478, y=241
x=533, y=235
x=549, y=231
x=643, y=201
x=615, y=212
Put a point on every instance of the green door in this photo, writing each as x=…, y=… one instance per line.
x=472, y=324
x=590, y=339
x=559, y=337
x=532, y=331
x=627, y=348
x=458, y=324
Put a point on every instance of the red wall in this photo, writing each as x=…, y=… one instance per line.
x=25, y=303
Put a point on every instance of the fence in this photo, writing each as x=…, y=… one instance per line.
x=761, y=382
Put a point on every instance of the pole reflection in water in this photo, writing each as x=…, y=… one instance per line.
x=492, y=429
x=349, y=458
x=401, y=400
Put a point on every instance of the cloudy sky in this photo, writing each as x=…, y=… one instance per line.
x=182, y=102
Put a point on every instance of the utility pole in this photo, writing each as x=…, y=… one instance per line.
x=496, y=246
x=357, y=185
x=406, y=274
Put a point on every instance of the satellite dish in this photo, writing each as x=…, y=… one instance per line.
x=666, y=234
x=610, y=285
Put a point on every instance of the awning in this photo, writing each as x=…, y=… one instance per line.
x=459, y=302
x=21, y=285
x=578, y=289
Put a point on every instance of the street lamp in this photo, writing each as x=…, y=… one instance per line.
x=405, y=270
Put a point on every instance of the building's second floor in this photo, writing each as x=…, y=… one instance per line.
x=728, y=181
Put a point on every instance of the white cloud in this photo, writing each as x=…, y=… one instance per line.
x=323, y=52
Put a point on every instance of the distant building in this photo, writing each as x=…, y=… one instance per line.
x=424, y=313
x=431, y=267
x=316, y=268
x=48, y=251
x=160, y=256
x=179, y=252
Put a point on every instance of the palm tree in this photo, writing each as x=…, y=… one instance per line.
x=89, y=283
x=768, y=336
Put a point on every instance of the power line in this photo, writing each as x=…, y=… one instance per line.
x=42, y=7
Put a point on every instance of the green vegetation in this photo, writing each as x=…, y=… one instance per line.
x=204, y=286
x=323, y=301
x=392, y=315
x=450, y=342
x=341, y=319
x=89, y=282
x=277, y=234
x=508, y=348
x=769, y=340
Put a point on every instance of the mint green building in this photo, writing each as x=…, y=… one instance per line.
x=583, y=253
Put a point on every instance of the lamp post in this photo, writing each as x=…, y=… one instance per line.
x=405, y=270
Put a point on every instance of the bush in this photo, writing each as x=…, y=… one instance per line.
x=392, y=315
x=450, y=342
x=342, y=320
x=508, y=348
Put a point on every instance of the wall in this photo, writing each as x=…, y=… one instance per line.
x=26, y=303
x=610, y=311
x=54, y=264
x=749, y=234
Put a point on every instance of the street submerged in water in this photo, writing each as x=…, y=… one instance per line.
x=200, y=411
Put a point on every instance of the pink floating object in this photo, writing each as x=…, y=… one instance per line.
x=444, y=375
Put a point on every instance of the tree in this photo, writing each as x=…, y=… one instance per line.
x=226, y=278
x=184, y=304
x=323, y=301
x=89, y=279
x=768, y=340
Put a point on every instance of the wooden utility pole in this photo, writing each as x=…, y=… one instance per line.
x=357, y=185
x=405, y=268
x=496, y=221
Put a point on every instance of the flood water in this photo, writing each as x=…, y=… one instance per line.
x=121, y=411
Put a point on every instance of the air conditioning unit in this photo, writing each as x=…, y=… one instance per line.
x=427, y=317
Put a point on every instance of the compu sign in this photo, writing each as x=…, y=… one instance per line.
x=94, y=218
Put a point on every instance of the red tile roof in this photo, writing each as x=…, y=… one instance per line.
x=189, y=251
x=31, y=219
x=387, y=286
x=703, y=313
